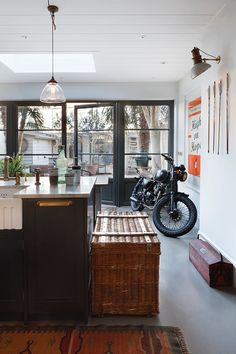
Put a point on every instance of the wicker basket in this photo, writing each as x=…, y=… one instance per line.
x=125, y=265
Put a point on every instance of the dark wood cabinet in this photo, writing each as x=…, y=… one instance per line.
x=56, y=234
x=11, y=275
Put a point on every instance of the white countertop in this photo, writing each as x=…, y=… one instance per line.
x=45, y=190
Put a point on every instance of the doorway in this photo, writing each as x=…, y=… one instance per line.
x=116, y=138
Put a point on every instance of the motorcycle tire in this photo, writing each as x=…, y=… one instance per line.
x=179, y=227
x=136, y=206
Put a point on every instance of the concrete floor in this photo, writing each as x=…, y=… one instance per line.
x=206, y=316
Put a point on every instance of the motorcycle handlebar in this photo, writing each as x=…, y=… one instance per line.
x=168, y=158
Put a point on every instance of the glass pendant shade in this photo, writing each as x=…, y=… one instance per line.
x=52, y=93
x=199, y=68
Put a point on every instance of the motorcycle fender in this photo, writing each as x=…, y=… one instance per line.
x=182, y=193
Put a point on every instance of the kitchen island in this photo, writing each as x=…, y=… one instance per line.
x=57, y=225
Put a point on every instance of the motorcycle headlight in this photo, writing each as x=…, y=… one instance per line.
x=183, y=176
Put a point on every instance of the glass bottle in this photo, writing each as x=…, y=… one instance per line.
x=61, y=163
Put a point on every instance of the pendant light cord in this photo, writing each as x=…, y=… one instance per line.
x=53, y=26
x=53, y=29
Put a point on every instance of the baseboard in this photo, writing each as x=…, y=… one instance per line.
x=205, y=238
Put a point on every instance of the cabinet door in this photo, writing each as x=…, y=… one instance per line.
x=56, y=258
x=11, y=275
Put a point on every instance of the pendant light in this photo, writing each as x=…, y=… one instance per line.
x=52, y=92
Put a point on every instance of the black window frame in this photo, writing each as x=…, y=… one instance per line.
x=120, y=193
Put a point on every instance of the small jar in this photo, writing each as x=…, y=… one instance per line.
x=77, y=173
x=69, y=179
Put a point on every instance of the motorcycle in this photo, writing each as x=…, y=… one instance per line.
x=174, y=213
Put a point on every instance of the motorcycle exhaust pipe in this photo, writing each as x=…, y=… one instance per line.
x=133, y=199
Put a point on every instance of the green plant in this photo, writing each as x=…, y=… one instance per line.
x=16, y=165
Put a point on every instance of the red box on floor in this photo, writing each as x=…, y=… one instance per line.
x=215, y=269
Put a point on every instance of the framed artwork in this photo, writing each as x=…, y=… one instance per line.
x=194, y=136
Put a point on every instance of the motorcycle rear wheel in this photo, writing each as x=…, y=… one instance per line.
x=174, y=227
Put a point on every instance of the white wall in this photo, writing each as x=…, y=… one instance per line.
x=188, y=90
x=102, y=91
x=218, y=192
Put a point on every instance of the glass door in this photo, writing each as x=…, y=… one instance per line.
x=94, y=141
x=148, y=132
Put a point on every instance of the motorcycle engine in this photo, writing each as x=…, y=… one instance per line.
x=149, y=199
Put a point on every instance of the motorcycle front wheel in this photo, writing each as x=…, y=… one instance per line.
x=177, y=223
x=137, y=192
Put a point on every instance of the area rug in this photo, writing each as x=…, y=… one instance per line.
x=93, y=340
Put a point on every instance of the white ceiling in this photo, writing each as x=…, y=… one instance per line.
x=129, y=39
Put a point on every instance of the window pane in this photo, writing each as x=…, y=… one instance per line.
x=43, y=162
x=146, y=117
x=39, y=117
x=95, y=142
x=3, y=132
x=3, y=142
x=91, y=118
x=96, y=164
x=3, y=117
x=38, y=142
x=146, y=141
x=98, y=118
x=95, y=138
x=143, y=164
x=70, y=153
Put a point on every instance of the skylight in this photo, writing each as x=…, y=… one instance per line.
x=41, y=63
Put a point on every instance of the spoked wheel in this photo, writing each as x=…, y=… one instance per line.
x=137, y=194
x=177, y=222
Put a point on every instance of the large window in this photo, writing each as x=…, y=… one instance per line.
x=39, y=134
x=111, y=138
x=147, y=130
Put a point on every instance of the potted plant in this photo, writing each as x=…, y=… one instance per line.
x=16, y=165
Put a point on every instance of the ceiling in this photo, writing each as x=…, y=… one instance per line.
x=131, y=41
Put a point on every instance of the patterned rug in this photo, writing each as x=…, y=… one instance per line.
x=93, y=340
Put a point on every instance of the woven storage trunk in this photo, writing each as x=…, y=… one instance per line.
x=125, y=265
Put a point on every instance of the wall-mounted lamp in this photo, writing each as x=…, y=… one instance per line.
x=52, y=92
x=200, y=64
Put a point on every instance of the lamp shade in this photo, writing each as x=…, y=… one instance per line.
x=52, y=93
x=199, y=68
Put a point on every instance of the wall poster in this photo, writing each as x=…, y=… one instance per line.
x=194, y=136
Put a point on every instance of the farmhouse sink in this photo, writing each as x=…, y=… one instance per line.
x=10, y=207
x=9, y=188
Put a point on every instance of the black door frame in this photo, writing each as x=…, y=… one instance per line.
x=111, y=188
x=123, y=199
